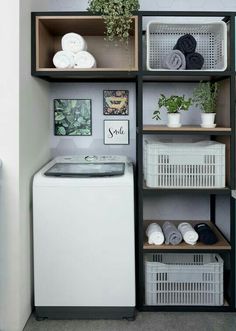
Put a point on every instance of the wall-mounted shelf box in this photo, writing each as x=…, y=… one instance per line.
x=47, y=31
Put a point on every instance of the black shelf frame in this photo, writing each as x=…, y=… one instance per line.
x=140, y=77
x=188, y=76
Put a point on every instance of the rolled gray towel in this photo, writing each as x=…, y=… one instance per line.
x=172, y=234
x=175, y=60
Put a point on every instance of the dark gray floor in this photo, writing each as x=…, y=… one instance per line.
x=144, y=322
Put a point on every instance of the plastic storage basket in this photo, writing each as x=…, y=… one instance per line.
x=184, y=165
x=184, y=279
x=211, y=43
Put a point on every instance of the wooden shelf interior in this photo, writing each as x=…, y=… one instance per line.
x=50, y=30
x=222, y=243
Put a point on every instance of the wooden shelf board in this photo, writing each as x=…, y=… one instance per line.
x=99, y=70
x=222, y=243
x=184, y=75
x=184, y=128
x=208, y=190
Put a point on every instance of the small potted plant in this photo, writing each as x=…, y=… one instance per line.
x=117, y=16
x=205, y=97
x=174, y=104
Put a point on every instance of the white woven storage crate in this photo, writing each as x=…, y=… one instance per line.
x=184, y=165
x=211, y=43
x=184, y=279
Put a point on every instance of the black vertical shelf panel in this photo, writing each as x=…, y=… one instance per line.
x=232, y=155
x=139, y=98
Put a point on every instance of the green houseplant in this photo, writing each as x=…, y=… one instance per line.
x=117, y=16
x=205, y=97
x=174, y=104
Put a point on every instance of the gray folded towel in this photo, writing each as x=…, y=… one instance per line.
x=172, y=234
x=175, y=60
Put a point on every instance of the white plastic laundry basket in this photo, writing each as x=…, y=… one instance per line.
x=184, y=279
x=169, y=164
x=211, y=43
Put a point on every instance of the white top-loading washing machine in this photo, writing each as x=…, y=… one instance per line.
x=83, y=228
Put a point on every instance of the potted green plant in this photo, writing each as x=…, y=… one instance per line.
x=117, y=15
x=205, y=97
x=174, y=104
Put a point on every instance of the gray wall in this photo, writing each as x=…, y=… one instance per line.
x=93, y=144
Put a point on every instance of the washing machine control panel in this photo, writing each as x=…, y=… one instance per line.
x=104, y=158
x=91, y=158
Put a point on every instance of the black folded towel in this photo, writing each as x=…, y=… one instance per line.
x=205, y=233
x=194, y=61
x=186, y=44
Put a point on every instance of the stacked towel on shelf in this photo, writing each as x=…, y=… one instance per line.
x=63, y=60
x=155, y=234
x=190, y=236
x=184, y=55
x=206, y=235
x=194, y=61
x=84, y=59
x=74, y=53
x=186, y=44
x=175, y=60
x=172, y=234
x=73, y=42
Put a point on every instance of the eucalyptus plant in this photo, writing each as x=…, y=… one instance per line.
x=173, y=104
x=205, y=96
x=117, y=16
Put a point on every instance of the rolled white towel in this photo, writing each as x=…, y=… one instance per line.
x=190, y=236
x=63, y=60
x=85, y=60
x=155, y=234
x=73, y=42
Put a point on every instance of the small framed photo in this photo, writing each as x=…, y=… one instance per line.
x=115, y=102
x=116, y=132
x=72, y=117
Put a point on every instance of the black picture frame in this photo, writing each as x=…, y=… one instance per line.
x=107, y=109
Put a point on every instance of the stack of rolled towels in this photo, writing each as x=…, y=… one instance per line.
x=184, y=55
x=74, y=53
x=170, y=234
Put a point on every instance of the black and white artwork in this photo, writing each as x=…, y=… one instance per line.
x=116, y=132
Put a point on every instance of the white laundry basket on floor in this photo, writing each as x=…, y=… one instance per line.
x=184, y=279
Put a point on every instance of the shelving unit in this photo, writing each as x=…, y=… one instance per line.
x=224, y=132
x=51, y=26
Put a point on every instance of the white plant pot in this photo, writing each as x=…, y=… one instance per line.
x=173, y=120
x=208, y=120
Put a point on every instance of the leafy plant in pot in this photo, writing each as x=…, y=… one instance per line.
x=205, y=97
x=117, y=15
x=174, y=104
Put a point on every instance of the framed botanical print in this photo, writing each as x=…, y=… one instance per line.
x=72, y=117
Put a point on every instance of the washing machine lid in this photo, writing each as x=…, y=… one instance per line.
x=86, y=170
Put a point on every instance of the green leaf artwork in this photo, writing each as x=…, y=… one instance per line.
x=72, y=117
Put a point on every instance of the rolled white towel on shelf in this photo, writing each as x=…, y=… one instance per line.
x=155, y=234
x=84, y=60
x=73, y=42
x=64, y=60
x=190, y=236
